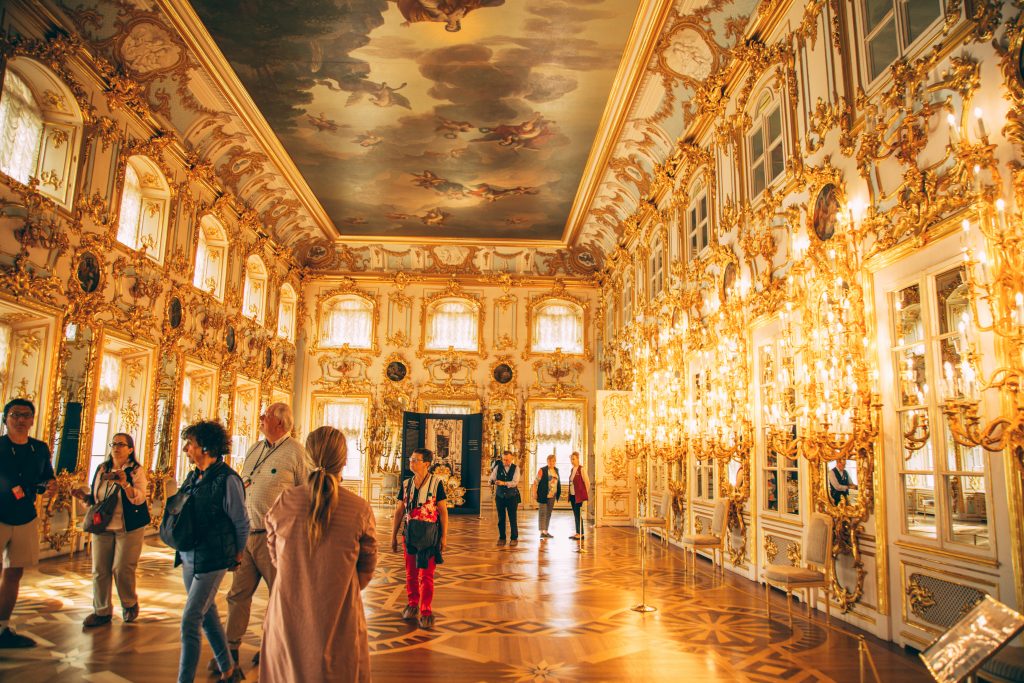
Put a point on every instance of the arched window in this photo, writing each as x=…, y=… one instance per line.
x=142, y=219
x=254, y=297
x=767, y=151
x=557, y=325
x=452, y=323
x=40, y=126
x=347, y=319
x=211, y=257
x=286, y=313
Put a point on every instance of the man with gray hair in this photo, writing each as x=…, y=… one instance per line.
x=271, y=466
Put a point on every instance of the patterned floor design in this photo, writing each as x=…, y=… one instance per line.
x=540, y=612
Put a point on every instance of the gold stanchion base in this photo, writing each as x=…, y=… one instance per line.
x=644, y=608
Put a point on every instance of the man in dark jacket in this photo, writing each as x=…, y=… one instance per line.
x=25, y=471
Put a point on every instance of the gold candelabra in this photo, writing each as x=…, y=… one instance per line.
x=995, y=287
x=379, y=442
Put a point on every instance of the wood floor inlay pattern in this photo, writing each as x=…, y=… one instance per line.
x=538, y=612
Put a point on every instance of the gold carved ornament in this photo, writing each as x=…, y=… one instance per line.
x=62, y=500
x=919, y=596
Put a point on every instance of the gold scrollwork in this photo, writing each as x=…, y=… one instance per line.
x=62, y=500
x=919, y=596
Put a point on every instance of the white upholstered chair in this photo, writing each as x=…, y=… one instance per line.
x=714, y=541
x=816, y=572
x=661, y=522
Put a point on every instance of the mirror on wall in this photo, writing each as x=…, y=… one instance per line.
x=165, y=403
x=200, y=398
x=245, y=422
x=71, y=405
x=124, y=383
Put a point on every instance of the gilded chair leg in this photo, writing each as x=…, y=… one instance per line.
x=768, y=600
x=789, y=606
x=828, y=605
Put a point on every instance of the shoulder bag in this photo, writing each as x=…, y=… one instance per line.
x=99, y=515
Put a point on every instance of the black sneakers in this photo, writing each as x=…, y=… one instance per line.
x=426, y=621
x=410, y=612
x=10, y=640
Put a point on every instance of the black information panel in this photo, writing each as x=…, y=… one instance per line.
x=455, y=441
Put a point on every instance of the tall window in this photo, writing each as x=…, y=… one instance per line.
x=944, y=485
x=452, y=323
x=350, y=418
x=254, y=298
x=780, y=470
x=767, y=156
x=558, y=325
x=40, y=125
x=286, y=313
x=211, y=257
x=21, y=124
x=656, y=270
x=697, y=225
x=142, y=219
x=891, y=26
x=703, y=470
x=347, y=320
x=558, y=431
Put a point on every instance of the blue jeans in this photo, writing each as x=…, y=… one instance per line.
x=201, y=610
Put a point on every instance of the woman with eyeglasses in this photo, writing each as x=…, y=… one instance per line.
x=116, y=550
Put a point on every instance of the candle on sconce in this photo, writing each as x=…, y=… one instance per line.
x=954, y=133
x=979, y=117
x=1001, y=214
x=1018, y=300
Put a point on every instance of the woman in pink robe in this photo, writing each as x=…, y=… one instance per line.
x=323, y=542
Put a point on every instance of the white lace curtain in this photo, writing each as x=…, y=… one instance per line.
x=348, y=321
x=202, y=261
x=254, y=296
x=110, y=383
x=21, y=129
x=454, y=324
x=558, y=431
x=286, y=314
x=131, y=209
x=558, y=326
x=350, y=418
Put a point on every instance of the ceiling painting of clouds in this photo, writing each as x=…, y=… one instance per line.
x=431, y=118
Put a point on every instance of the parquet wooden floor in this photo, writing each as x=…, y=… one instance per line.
x=539, y=612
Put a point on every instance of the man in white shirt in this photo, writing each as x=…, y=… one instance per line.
x=839, y=483
x=270, y=466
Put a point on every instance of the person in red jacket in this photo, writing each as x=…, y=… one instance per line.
x=579, y=489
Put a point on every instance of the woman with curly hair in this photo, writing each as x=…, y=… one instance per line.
x=218, y=500
x=323, y=541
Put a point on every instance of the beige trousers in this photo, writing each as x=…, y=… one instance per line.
x=115, y=555
x=255, y=565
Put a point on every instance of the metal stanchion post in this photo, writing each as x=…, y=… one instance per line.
x=643, y=606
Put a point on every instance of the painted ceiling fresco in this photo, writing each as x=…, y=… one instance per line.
x=468, y=119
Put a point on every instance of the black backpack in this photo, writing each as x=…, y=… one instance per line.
x=178, y=527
